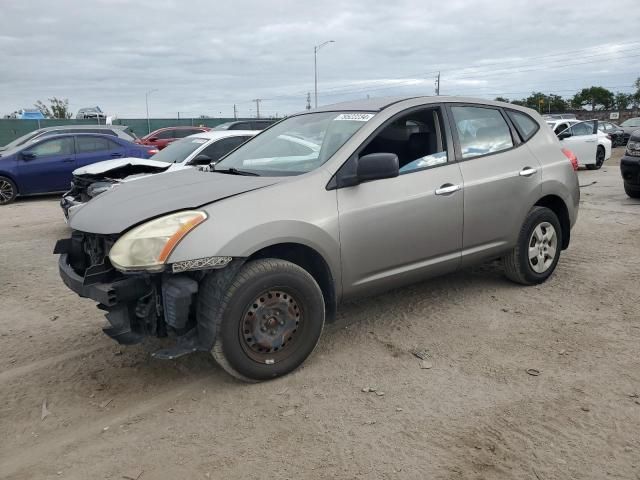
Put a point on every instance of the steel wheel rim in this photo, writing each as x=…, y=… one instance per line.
x=543, y=245
x=271, y=326
x=6, y=191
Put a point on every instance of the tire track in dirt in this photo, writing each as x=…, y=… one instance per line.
x=19, y=459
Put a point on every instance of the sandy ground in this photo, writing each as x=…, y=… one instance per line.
x=114, y=412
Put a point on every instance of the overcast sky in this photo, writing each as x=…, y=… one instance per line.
x=204, y=56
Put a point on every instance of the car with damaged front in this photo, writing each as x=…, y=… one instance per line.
x=248, y=260
x=201, y=149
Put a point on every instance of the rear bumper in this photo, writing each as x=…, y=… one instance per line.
x=630, y=169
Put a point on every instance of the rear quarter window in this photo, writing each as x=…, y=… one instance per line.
x=526, y=126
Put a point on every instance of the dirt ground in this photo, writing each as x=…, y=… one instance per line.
x=113, y=412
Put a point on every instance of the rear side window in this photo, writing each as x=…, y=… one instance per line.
x=92, y=144
x=241, y=126
x=166, y=134
x=481, y=131
x=525, y=125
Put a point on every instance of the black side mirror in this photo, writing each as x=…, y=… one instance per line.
x=376, y=166
x=201, y=159
x=564, y=134
x=28, y=155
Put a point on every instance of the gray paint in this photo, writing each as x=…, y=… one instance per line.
x=130, y=203
x=373, y=236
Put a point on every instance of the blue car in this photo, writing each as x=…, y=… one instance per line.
x=45, y=165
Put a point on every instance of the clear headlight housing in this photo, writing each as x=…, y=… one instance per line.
x=147, y=246
x=633, y=148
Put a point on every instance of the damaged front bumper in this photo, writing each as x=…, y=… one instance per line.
x=139, y=305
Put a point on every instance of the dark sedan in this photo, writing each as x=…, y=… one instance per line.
x=45, y=165
x=615, y=133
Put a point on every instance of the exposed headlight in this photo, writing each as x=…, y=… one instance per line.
x=633, y=149
x=148, y=246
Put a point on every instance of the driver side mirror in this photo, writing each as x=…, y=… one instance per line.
x=377, y=166
x=152, y=139
x=201, y=159
x=564, y=134
x=28, y=155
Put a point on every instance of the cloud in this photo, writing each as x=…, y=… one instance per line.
x=204, y=56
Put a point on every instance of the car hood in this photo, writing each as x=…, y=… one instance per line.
x=130, y=203
x=103, y=168
x=629, y=129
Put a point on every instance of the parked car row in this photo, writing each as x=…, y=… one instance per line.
x=200, y=149
x=248, y=258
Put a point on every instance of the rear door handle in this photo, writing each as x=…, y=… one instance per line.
x=67, y=160
x=447, y=189
x=527, y=171
x=117, y=154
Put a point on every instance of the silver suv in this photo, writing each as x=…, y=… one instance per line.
x=248, y=259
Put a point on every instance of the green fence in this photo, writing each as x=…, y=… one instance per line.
x=10, y=129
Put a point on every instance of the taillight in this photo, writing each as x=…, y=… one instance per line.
x=572, y=158
x=152, y=151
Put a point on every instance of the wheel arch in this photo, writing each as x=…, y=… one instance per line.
x=310, y=260
x=559, y=207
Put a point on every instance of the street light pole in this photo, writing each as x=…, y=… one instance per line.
x=315, y=67
x=146, y=101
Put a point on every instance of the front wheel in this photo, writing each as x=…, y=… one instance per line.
x=536, y=254
x=269, y=320
x=8, y=191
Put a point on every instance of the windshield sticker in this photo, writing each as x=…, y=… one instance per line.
x=199, y=140
x=355, y=117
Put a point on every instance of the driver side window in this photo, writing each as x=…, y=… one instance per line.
x=56, y=146
x=416, y=138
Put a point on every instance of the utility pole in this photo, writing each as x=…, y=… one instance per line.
x=315, y=68
x=146, y=101
x=308, y=107
x=438, y=84
x=235, y=112
x=257, y=100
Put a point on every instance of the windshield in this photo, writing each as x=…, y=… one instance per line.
x=179, y=150
x=20, y=140
x=632, y=122
x=296, y=145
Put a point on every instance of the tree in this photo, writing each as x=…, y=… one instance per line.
x=635, y=97
x=59, y=108
x=598, y=98
x=623, y=100
x=502, y=99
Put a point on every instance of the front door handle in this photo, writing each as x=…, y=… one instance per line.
x=117, y=154
x=447, y=189
x=527, y=171
x=67, y=160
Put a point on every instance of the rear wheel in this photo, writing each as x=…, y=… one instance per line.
x=632, y=190
x=536, y=254
x=269, y=320
x=599, y=158
x=8, y=191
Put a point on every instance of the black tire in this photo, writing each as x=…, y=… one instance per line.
x=591, y=167
x=632, y=190
x=8, y=191
x=517, y=266
x=261, y=290
x=599, y=158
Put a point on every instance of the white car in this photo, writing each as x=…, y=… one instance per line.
x=202, y=148
x=591, y=146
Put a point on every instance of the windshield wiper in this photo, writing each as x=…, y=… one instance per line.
x=235, y=171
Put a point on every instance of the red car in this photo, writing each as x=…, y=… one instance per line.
x=164, y=136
